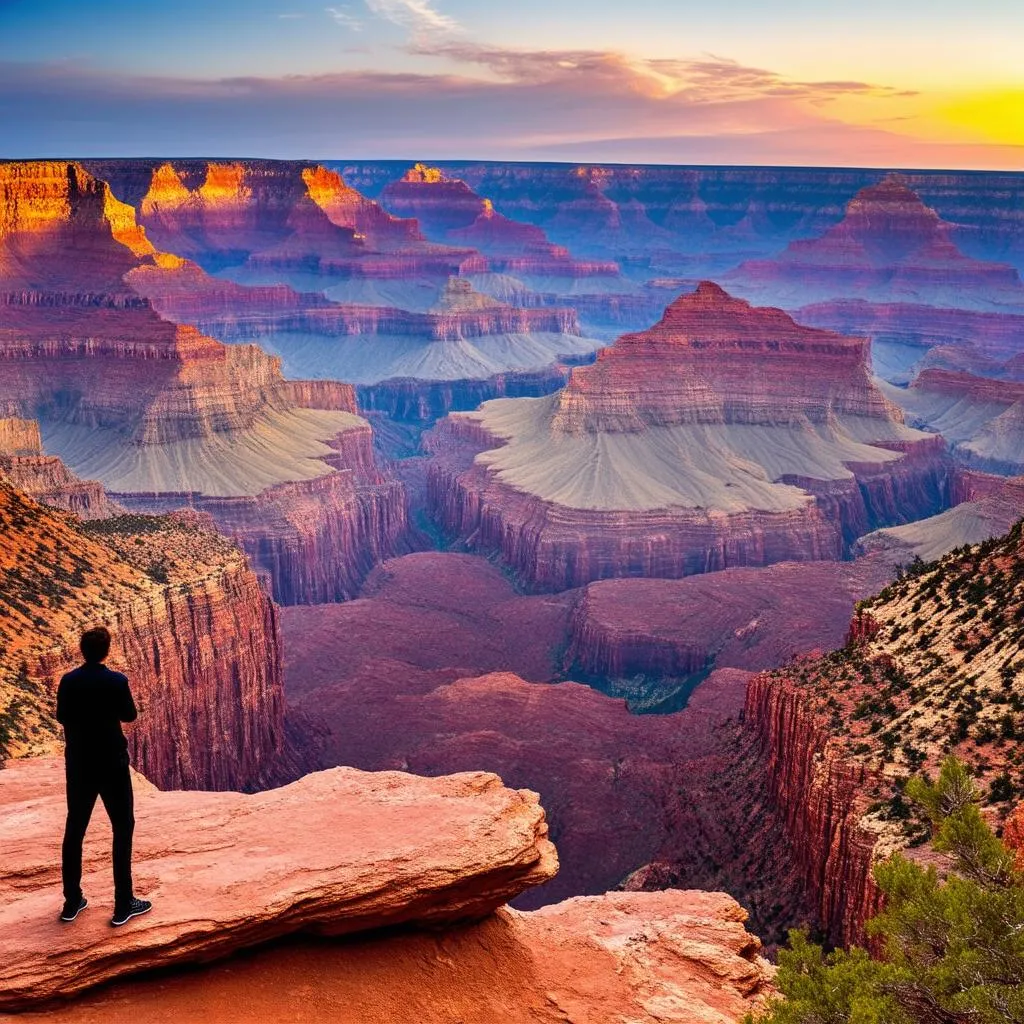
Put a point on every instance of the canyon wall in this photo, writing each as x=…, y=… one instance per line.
x=193, y=629
x=819, y=797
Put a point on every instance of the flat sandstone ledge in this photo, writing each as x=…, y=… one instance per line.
x=337, y=852
x=669, y=957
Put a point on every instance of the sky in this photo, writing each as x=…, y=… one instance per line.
x=879, y=83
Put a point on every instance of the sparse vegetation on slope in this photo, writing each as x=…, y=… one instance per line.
x=934, y=666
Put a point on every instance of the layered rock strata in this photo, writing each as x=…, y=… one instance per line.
x=889, y=247
x=653, y=958
x=450, y=848
x=984, y=506
x=725, y=436
x=361, y=852
x=166, y=416
x=932, y=667
x=25, y=466
x=982, y=418
x=738, y=618
x=192, y=628
x=904, y=335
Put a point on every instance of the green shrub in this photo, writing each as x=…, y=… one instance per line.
x=950, y=950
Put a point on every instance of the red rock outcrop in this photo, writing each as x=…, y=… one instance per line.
x=278, y=221
x=442, y=851
x=724, y=436
x=162, y=412
x=984, y=506
x=821, y=799
x=192, y=627
x=634, y=799
x=450, y=211
x=653, y=958
x=995, y=336
x=889, y=247
x=25, y=466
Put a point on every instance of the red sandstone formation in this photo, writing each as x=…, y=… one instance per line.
x=890, y=247
x=442, y=851
x=166, y=416
x=984, y=506
x=727, y=435
x=281, y=221
x=449, y=849
x=192, y=627
x=450, y=211
x=739, y=618
x=472, y=346
x=996, y=337
x=45, y=478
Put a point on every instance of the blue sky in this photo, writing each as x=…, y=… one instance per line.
x=871, y=82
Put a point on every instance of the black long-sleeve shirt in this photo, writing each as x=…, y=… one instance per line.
x=92, y=702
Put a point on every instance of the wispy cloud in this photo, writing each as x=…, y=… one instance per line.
x=419, y=16
x=581, y=105
x=343, y=16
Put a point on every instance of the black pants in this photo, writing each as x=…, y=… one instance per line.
x=111, y=781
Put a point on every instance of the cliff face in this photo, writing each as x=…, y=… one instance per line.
x=821, y=800
x=981, y=417
x=718, y=214
x=932, y=667
x=193, y=629
x=671, y=424
x=164, y=414
x=450, y=211
x=738, y=618
x=992, y=338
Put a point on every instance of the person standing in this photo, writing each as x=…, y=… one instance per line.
x=92, y=702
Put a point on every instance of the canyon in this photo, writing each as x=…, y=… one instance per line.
x=669, y=590
x=164, y=416
x=664, y=458
x=931, y=668
x=889, y=247
x=192, y=626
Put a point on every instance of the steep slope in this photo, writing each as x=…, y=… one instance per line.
x=726, y=435
x=982, y=418
x=984, y=506
x=906, y=337
x=889, y=247
x=934, y=665
x=266, y=222
x=519, y=263
x=192, y=627
x=161, y=414
x=45, y=478
x=464, y=348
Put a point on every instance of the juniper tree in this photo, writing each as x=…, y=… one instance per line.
x=950, y=949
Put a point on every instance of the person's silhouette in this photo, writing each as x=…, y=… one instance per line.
x=92, y=702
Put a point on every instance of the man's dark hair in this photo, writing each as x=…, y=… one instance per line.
x=95, y=644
